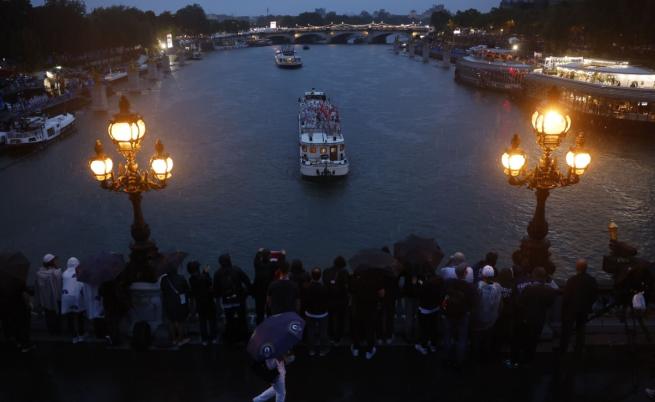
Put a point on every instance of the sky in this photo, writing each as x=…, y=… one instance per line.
x=258, y=7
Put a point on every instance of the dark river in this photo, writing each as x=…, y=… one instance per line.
x=425, y=158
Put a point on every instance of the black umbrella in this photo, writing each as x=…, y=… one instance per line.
x=14, y=265
x=169, y=261
x=100, y=268
x=415, y=250
x=275, y=336
x=372, y=259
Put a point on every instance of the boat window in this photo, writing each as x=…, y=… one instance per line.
x=342, y=147
x=323, y=150
x=304, y=148
x=312, y=149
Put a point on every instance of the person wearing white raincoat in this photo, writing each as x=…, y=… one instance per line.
x=72, y=301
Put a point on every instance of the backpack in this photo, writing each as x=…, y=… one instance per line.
x=230, y=287
x=454, y=304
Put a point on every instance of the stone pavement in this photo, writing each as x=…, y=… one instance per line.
x=60, y=371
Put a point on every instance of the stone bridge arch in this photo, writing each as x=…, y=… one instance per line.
x=380, y=37
x=280, y=38
x=341, y=37
x=311, y=37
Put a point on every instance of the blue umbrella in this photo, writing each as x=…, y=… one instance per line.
x=275, y=336
x=100, y=268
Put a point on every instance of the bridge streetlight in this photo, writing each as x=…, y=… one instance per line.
x=126, y=131
x=550, y=126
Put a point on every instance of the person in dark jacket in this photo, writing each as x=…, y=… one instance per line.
x=315, y=304
x=283, y=294
x=409, y=292
x=175, y=295
x=533, y=304
x=387, y=311
x=430, y=296
x=264, y=274
x=505, y=334
x=367, y=289
x=336, y=280
x=202, y=294
x=231, y=288
x=458, y=302
x=580, y=293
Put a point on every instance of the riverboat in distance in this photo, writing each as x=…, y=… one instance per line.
x=322, y=146
x=607, y=92
x=492, y=68
x=38, y=130
x=287, y=58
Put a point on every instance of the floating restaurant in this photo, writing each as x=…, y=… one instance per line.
x=492, y=68
x=613, y=91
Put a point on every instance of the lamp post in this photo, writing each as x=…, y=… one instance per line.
x=550, y=126
x=126, y=131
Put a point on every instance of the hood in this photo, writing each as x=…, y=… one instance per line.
x=72, y=263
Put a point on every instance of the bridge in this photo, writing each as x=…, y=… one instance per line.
x=336, y=33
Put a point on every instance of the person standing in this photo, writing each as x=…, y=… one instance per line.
x=409, y=288
x=175, y=301
x=430, y=296
x=48, y=291
x=264, y=274
x=491, y=259
x=203, y=295
x=457, y=305
x=273, y=371
x=315, y=304
x=580, y=293
x=533, y=304
x=368, y=291
x=231, y=287
x=72, y=306
x=336, y=280
x=448, y=272
x=487, y=311
x=283, y=293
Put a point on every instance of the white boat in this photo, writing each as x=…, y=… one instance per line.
x=115, y=76
x=287, y=58
x=196, y=55
x=492, y=68
x=35, y=130
x=322, y=146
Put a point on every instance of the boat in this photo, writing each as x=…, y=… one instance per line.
x=607, y=91
x=115, y=76
x=322, y=146
x=38, y=130
x=196, y=55
x=492, y=68
x=305, y=47
x=287, y=58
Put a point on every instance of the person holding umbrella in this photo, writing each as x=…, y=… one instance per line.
x=268, y=345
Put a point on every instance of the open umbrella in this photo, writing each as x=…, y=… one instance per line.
x=168, y=261
x=14, y=265
x=100, y=268
x=417, y=250
x=372, y=259
x=275, y=336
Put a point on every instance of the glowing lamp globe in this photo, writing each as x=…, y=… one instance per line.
x=126, y=129
x=101, y=165
x=161, y=164
x=514, y=159
x=551, y=126
x=578, y=160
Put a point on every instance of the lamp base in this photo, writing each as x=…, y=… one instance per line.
x=535, y=253
x=140, y=266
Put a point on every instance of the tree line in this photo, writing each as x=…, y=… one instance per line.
x=34, y=36
x=604, y=26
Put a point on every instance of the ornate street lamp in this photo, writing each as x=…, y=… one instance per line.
x=551, y=126
x=126, y=131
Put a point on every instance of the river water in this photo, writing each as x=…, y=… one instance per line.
x=424, y=156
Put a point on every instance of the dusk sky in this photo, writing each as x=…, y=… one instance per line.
x=258, y=7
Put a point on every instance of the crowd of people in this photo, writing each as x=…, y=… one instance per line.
x=465, y=310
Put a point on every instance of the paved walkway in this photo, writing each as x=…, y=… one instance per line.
x=58, y=371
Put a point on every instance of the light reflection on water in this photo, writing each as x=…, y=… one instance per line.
x=425, y=158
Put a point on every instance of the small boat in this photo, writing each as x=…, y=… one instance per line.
x=322, y=146
x=196, y=55
x=287, y=58
x=35, y=130
x=115, y=76
x=305, y=47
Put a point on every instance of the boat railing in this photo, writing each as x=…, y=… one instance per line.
x=321, y=162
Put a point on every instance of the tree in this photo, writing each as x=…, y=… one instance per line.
x=192, y=19
x=439, y=20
